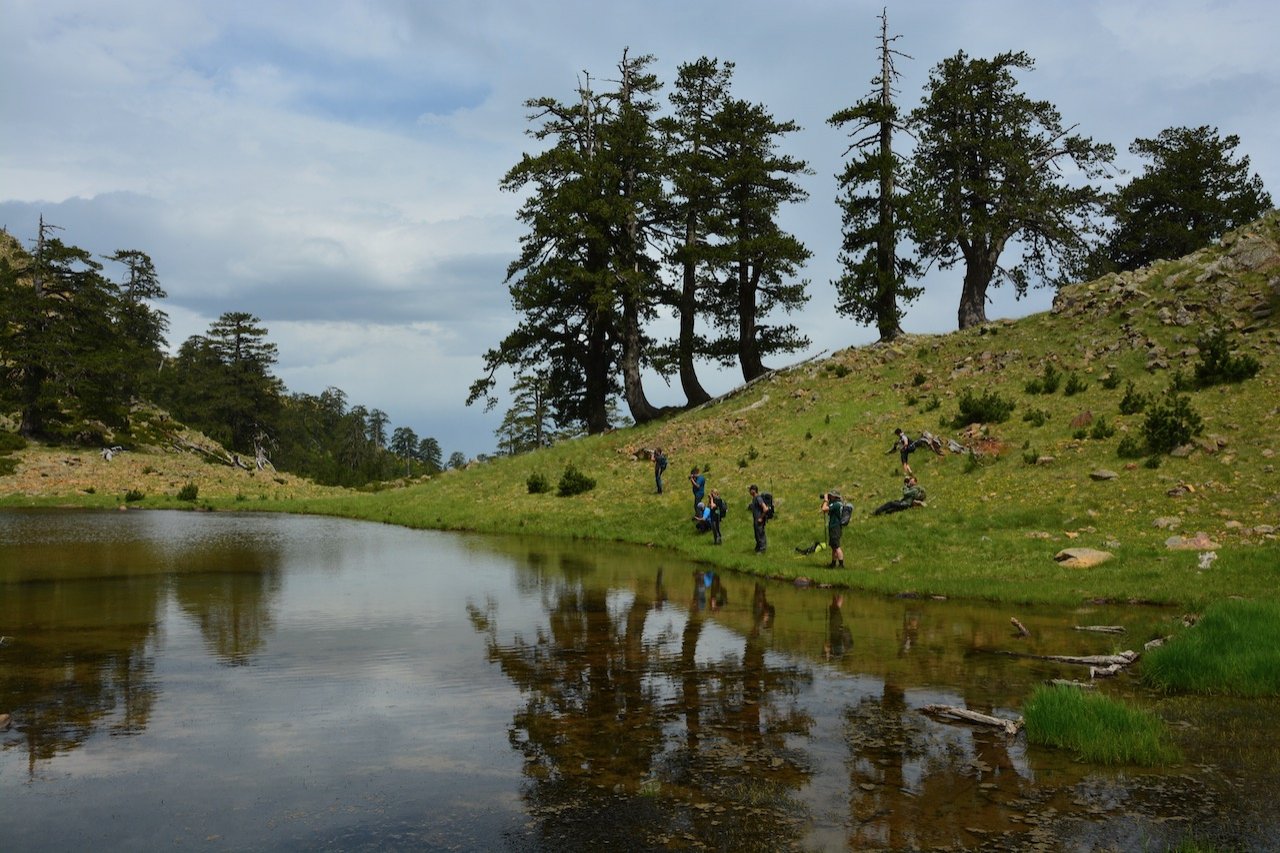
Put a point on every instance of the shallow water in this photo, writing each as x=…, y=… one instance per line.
x=249, y=682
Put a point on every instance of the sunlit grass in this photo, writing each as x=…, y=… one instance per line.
x=1097, y=728
x=1234, y=649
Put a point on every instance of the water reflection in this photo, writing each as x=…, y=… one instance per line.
x=310, y=683
x=629, y=732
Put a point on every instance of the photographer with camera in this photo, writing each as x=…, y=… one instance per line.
x=833, y=508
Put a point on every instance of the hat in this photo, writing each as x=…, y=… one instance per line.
x=834, y=494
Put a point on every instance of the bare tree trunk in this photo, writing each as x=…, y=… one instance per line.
x=693, y=389
x=632, y=385
x=596, y=403
x=748, y=316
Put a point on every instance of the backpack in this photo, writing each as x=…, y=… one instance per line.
x=767, y=500
x=846, y=514
x=722, y=508
x=662, y=462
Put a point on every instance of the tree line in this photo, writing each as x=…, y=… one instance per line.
x=635, y=212
x=80, y=350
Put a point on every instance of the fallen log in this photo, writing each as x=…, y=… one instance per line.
x=1022, y=629
x=1102, y=629
x=1123, y=659
x=1067, y=682
x=951, y=712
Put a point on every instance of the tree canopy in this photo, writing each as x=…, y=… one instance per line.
x=989, y=169
x=1192, y=190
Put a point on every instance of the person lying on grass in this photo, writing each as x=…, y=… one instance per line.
x=912, y=496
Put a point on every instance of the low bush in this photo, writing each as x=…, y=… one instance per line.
x=189, y=492
x=11, y=441
x=1097, y=728
x=1101, y=430
x=1035, y=417
x=1047, y=383
x=933, y=403
x=1133, y=401
x=1075, y=385
x=134, y=495
x=8, y=465
x=1131, y=447
x=919, y=379
x=990, y=408
x=574, y=482
x=1111, y=381
x=1170, y=422
x=537, y=484
x=1218, y=365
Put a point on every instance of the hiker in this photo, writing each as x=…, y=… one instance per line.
x=699, y=484
x=659, y=465
x=905, y=447
x=912, y=496
x=759, y=516
x=833, y=509
x=702, y=515
x=718, y=508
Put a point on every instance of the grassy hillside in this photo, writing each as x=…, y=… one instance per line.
x=994, y=521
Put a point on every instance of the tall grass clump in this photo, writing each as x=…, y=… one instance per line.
x=1097, y=728
x=1233, y=650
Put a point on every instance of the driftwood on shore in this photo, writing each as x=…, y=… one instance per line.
x=1022, y=629
x=1070, y=682
x=1102, y=629
x=951, y=712
x=1122, y=659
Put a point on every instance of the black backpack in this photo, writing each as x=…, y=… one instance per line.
x=722, y=508
x=846, y=513
x=767, y=500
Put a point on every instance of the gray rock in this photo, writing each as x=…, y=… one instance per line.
x=1081, y=558
x=1167, y=522
x=1102, y=474
x=1199, y=542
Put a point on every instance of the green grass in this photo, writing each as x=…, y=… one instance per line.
x=1233, y=650
x=1097, y=728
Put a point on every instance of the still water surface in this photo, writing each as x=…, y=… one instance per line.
x=279, y=682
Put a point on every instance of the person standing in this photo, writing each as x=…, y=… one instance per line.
x=759, y=516
x=699, y=484
x=659, y=465
x=833, y=508
x=716, y=503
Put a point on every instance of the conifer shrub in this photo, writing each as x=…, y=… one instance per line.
x=574, y=482
x=1101, y=430
x=1047, y=383
x=1133, y=400
x=919, y=379
x=1218, y=365
x=1170, y=422
x=990, y=408
x=134, y=495
x=11, y=441
x=1035, y=417
x=537, y=484
x=1111, y=381
x=1131, y=447
x=189, y=492
x=1075, y=385
x=933, y=403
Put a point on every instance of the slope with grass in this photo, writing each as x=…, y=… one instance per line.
x=995, y=519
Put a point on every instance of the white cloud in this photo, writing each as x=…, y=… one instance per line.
x=334, y=168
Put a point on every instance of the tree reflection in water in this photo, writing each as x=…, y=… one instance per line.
x=86, y=661
x=232, y=601
x=631, y=738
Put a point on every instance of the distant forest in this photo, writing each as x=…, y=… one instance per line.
x=82, y=350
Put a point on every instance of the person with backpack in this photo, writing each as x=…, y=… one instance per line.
x=760, y=511
x=912, y=496
x=699, y=483
x=834, y=509
x=659, y=466
x=718, y=510
x=905, y=447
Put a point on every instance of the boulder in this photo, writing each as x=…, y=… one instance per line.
x=1081, y=558
x=1199, y=542
x=1102, y=474
x=1082, y=420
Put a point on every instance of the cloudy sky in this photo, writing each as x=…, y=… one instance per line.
x=333, y=167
